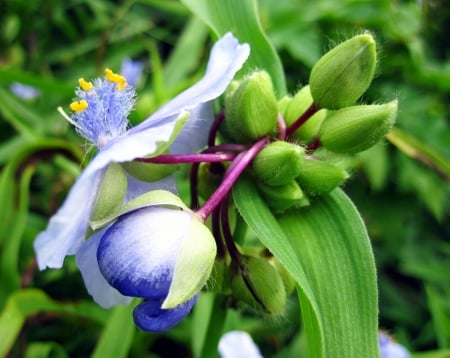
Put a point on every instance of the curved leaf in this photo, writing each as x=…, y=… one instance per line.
x=326, y=248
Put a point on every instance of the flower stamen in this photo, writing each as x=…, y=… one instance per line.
x=85, y=85
x=119, y=80
x=79, y=106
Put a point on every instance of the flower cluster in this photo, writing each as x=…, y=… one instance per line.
x=133, y=237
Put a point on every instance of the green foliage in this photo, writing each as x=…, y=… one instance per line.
x=400, y=186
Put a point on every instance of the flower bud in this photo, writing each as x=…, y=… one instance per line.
x=258, y=284
x=111, y=191
x=219, y=281
x=318, y=177
x=210, y=176
x=343, y=74
x=278, y=163
x=296, y=107
x=252, y=109
x=149, y=172
x=357, y=128
x=281, y=198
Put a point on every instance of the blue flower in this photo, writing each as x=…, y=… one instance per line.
x=132, y=71
x=390, y=349
x=134, y=261
x=238, y=344
x=66, y=231
x=24, y=91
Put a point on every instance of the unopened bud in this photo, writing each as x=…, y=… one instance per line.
x=252, y=109
x=296, y=107
x=111, y=191
x=258, y=284
x=210, y=176
x=357, y=128
x=278, y=163
x=318, y=177
x=281, y=198
x=343, y=74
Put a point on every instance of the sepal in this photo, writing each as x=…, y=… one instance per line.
x=281, y=198
x=357, y=128
x=258, y=284
x=278, y=163
x=318, y=177
x=152, y=198
x=252, y=108
x=296, y=107
x=344, y=73
x=111, y=192
x=149, y=172
x=193, y=266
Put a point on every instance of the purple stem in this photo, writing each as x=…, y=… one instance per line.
x=215, y=128
x=193, y=180
x=313, y=108
x=188, y=158
x=237, y=167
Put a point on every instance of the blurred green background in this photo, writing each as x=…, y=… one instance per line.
x=404, y=202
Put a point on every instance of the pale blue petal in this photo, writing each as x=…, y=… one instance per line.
x=194, y=135
x=137, y=187
x=66, y=229
x=238, y=344
x=100, y=290
x=227, y=57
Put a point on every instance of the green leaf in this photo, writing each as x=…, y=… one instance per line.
x=25, y=303
x=241, y=18
x=117, y=336
x=261, y=220
x=326, y=248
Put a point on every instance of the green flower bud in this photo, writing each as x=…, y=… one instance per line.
x=209, y=178
x=258, y=284
x=111, y=191
x=219, y=281
x=149, y=172
x=281, y=198
x=252, y=109
x=343, y=74
x=283, y=104
x=357, y=128
x=296, y=107
x=288, y=281
x=278, y=163
x=318, y=177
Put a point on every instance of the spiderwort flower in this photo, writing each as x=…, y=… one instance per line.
x=24, y=91
x=167, y=265
x=391, y=349
x=68, y=227
x=131, y=70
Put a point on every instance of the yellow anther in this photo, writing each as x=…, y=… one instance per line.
x=79, y=106
x=116, y=78
x=85, y=85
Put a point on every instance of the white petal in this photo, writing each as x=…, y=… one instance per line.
x=66, y=230
x=227, y=57
x=102, y=293
x=238, y=344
